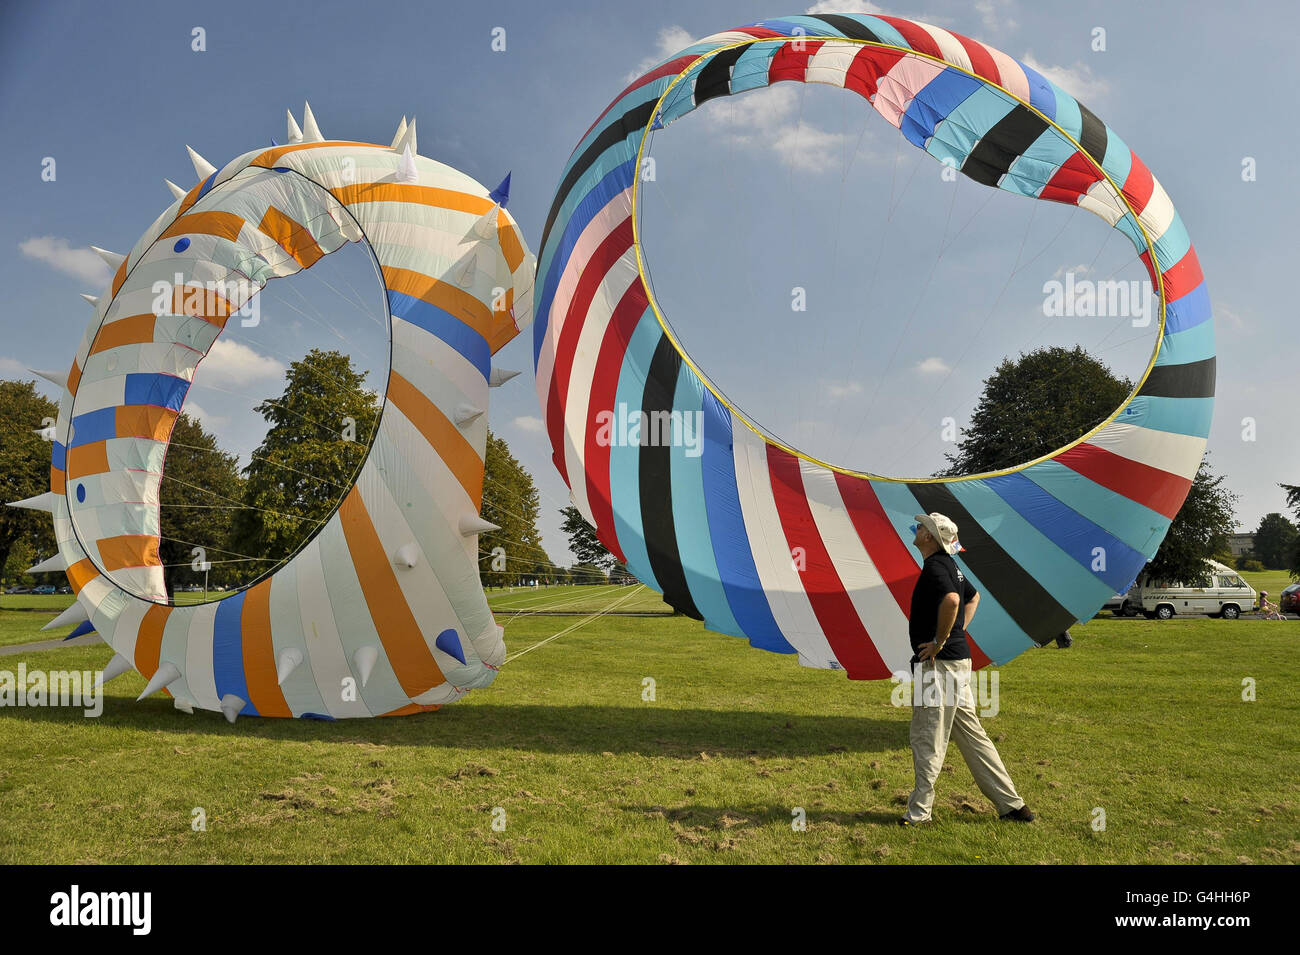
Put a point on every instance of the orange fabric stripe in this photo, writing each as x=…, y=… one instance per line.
x=405, y=192
x=410, y=657
x=129, y=550
x=292, y=236
x=272, y=156
x=259, y=652
x=133, y=330
x=412, y=708
x=511, y=247
x=207, y=304
x=452, y=299
x=443, y=436
x=74, y=377
x=214, y=222
x=119, y=277
x=148, y=641
x=58, y=482
x=145, y=421
x=81, y=573
x=87, y=459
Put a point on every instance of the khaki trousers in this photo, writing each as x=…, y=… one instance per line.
x=945, y=710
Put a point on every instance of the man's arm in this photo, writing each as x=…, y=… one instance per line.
x=948, y=608
x=971, y=604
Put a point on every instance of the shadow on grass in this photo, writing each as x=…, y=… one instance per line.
x=716, y=820
x=648, y=731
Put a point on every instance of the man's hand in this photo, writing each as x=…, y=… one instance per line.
x=928, y=651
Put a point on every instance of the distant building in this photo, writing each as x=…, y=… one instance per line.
x=1241, y=544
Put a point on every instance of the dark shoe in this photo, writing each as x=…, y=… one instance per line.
x=909, y=824
x=1065, y=641
x=1018, y=815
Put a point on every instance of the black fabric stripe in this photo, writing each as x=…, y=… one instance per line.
x=715, y=78
x=1033, y=609
x=1093, y=138
x=1001, y=145
x=633, y=119
x=848, y=26
x=1192, y=380
x=655, y=479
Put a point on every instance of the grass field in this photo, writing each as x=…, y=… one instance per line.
x=1142, y=719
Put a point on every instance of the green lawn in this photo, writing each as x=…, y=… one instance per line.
x=575, y=599
x=1274, y=581
x=1142, y=719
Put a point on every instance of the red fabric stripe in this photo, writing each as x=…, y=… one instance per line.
x=792, y=64
x=604, y=391
x=1184, y=276
x=671, y=68
x=1139, y=185
x=1159, y=490
x=887, y=551
x=1073, y=179
x=593, y=272
x=1151, y=266
x=868, y=66
x=916, y=38
x=981, y=59
x=830, y=602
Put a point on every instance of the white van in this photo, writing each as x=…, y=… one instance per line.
x=1220, y=593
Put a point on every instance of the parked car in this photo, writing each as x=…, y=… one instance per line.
x=65, y=589
x=1219, y=593
x=43, y=589
x=1120, y=606
x=18, y=589
x=1289, y=600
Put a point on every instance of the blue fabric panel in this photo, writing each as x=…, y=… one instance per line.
x=228, y=651
x=934, y=102
x=1136, y=525
x=93, y=426
x=445, y=326
x=1190, y=310
x=164, y=391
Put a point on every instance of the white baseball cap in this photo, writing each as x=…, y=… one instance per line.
x=942, y=529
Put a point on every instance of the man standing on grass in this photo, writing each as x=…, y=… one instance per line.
x=943, y=708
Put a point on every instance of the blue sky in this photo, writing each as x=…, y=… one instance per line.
x=752, y=197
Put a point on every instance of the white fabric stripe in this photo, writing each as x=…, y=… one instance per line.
x=877, y=609
x=325, y=653
x=199, y=675
x=1102, y=200
x=897, y=87
x=830, y=64
x=952, y=50
x=1013, y=77
x=1159, y=212
x=126, y=617
x=1176, y=453
x=613, y=285
x=147, y=582
x=440, y=373
x=300, y=691
x=771, y=552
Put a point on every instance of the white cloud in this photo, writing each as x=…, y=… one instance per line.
x=1076, y=80
x=228, y=363
x=60, y=254
x=671, y=40
x=529, y=423
x=771, y=117
x=933, y=366
x=843, y=389
x=1079, y=271
x=11, y=368
x=845, y=6
x=209, y=421
x=996, y=15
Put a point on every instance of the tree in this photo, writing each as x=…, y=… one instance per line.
x=584, y=543
x=1293, y=502
x=201, y=491
x=1034, y=405
x=1275, y=542
x=587, y=573
x=320, y=432
x=24, y=472
x=510, y=500
x=1200, y=530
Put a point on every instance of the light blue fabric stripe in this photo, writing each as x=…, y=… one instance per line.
x=1176, y=415
x=932, y=104
x=1137, y=526
x=1173, y=245
x=1036, y=166
x=1192, y=344
x=625, y=460
x=1119, y=158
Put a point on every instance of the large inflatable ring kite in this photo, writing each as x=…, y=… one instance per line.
x=798, y=556
x=385, y=598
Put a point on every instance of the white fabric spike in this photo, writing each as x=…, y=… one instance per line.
x=93, y=300
x=465, y=273
x=365, y=659
x=406, y=171
x=310, y=131
x=472, y=524
x=295, y=134
x=290, y=658
x=465, y=414
x=176, y=191
x=185, y=706
x=408, y=555
x=116, y=667
x=166, y=674
x=202, y=167
x=74, y=614
x=486, y=226
x=54, y=563
x=41, y=502
x=112, y=258
x=401, y=131
x=53, y=377
x=47, y=434
x=409, y=139
x=230, y=707
x=499, y=376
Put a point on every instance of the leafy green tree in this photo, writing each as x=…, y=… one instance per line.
x=510, y=500
x=587, y=573
x=24, y=472
x=1293, y=502
x=1275, y=542
x=584, y=543
x=1034, y=405
x=1201, y=529
x=320, y=432
x=201, y=493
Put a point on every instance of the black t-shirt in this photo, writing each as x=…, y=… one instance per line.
x=940, y=576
